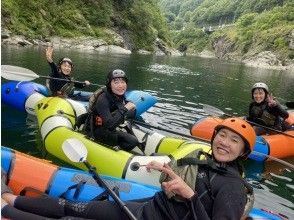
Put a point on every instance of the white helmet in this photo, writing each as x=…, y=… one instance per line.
x=260, y=85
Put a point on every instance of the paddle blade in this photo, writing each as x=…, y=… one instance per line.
x=17, y=73
x=75, y=150
x=213, y=111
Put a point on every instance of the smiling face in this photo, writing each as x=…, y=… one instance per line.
x=66, y=68
x=259, y=95
x=227, y=145
x=118, y=86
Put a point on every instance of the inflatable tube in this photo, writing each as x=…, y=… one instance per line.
x=60, y=181
x=275, y=145
x=56, y=128
x=57, y=181
x=23, y=96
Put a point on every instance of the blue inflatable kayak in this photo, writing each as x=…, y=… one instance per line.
x=28, y=175
x=23, y=96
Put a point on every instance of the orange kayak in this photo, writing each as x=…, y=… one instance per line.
x=274, y=145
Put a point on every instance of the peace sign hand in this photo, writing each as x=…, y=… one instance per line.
x=176, y=185
x=271, y=101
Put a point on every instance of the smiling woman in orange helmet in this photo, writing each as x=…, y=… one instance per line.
x=219, y=192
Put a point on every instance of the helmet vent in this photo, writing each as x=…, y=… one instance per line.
x=243, y=126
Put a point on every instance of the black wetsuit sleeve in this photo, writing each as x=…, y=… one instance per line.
x=280, y=111
x=110, y=119
x=54, y=71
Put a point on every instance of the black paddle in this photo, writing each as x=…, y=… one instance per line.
x=290, y=104
x=76, y=151
x=217, y=112
x=168, y=130
x=17, y=73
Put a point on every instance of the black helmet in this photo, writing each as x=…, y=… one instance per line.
x=65, y=59
x=117, y=73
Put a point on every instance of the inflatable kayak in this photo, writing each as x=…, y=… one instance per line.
x=75, y=185
x=72, y=184
x=23, y=96
x=56, y=118
x=276, y=145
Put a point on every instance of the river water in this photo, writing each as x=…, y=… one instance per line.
x=181, y=85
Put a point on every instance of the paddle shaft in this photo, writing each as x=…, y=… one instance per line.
x=168, y=130
x=262, y=126
x=290, y=104
x=67, y=80
x=100, y=181
x=274, y=159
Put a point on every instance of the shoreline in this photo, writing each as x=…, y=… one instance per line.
x=262, y=60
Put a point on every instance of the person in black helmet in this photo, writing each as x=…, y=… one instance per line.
x=62, y=71
x=111, y=110
x=219, y=191
x=265, y=110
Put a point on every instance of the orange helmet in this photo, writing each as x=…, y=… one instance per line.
x=242, y=128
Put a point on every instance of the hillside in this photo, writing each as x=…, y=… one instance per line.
x=138, y=22
x=233, y=29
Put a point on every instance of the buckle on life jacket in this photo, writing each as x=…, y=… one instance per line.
x=98, y=121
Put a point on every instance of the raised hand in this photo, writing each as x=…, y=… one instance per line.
x=49, y=52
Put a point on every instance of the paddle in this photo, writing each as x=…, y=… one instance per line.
x=76, y=151
x=217, y=112
x=290, y=104
x=167, y=130
x=17, y=73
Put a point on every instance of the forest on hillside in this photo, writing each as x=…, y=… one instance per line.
x=140, y=21
x=248, y=24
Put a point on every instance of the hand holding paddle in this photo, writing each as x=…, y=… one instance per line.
x=17, y=73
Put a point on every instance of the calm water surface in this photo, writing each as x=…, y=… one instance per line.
x=181, y=85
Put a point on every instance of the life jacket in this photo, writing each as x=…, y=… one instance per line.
x=67, y=89
x=187, y=169
x=87, y=119
x=93, y=99
x=262, y=116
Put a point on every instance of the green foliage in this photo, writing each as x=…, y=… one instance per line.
x=269, y=30
x=140, y=19
x=194, y=37
x=254, y=25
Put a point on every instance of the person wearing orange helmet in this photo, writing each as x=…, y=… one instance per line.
x=219, y=192
x=265, y=110
x=62, y=71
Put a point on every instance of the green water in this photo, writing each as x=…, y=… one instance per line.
x=181, y=85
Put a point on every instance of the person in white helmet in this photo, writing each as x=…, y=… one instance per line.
x=265, y=110
x=61, y=85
